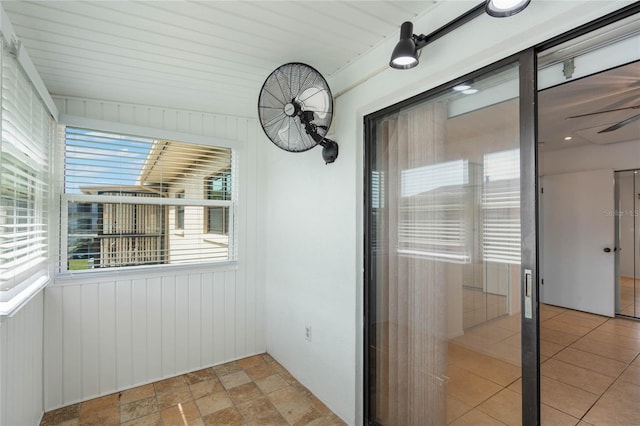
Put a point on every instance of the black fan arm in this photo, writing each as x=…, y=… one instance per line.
x=329, y=147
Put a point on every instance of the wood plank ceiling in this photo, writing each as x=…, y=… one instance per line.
x=197, y=55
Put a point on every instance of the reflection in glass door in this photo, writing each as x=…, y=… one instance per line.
x=628, y=246
x=443, y=257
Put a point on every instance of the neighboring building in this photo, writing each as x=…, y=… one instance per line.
x=103, y=235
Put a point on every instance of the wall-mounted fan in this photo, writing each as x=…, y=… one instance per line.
x=618, y=124
x=295, y=108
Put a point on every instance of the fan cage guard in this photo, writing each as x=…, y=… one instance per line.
x=289, y=84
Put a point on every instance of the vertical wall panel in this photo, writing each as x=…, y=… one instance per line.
x=206, y=323
x=220, y=127
x=219, y=313
x=182, y=324
x=93, y=109
x=21, y=364
x=109, y=112
x=208, y=125
x=90, y=344
x=169, y=120
x=182, y=121
x=154, y=333
x=139, y=331
x=126, y=113
x=105, y=336
x=156, y=116
x=72, y=349
x=194, y=327
x=53, y=344
x=141, y=115
x=229, y=315
x=196, y=123
x=168, y=326
x=124, y=341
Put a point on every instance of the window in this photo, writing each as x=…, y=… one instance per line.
x=501, y=205
x=126, y=198
x=435, y=202
x=179, y=212
x=27, y=132
x=218, y=188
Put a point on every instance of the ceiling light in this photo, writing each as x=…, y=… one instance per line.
x=504, y=8
x=470, y=91
x=567, y=138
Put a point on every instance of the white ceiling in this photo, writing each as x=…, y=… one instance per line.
x=618, y=88
x=197, y=55
x=214, y=55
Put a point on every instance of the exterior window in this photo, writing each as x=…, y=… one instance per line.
x=28, y=130
x=218, y=188
x=180, y=212
x=126, y=197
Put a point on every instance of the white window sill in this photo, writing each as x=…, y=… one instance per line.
x=10, y=307
x=99, y=275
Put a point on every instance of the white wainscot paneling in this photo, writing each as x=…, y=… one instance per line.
x=21, y=365
x=105, y=336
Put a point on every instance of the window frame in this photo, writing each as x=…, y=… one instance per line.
x=226, y=178
x=61, y=266
x=28, y=133
x=179, y=212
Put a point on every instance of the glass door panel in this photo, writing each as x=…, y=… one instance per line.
x=443, y=257
x=628, y=246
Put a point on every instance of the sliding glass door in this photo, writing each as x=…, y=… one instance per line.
x=628, y=243
x=445, y=273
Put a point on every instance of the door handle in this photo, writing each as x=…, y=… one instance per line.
x=528, y=290
x=607, y=250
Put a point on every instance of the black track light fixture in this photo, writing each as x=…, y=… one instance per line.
x=505, y=8
x=406, y=53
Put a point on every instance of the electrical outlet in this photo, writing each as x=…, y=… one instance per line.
x=307, y=332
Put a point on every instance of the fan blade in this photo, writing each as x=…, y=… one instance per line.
x=602, y=112
x=621, y=124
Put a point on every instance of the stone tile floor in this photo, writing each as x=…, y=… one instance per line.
x=251, y=391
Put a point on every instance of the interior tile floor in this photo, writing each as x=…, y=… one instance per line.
x=590, y=371
x=630, y=296
x=251, y=391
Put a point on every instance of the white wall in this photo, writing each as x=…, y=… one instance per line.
x=619, y=156
x=117, y=329
x=21, y=381
x=314, y=235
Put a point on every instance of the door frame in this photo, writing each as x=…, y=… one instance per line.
x=527, y=63
x=530, y=238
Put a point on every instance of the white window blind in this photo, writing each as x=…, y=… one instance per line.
x=432, y=218
x=27, y=133
x=501, y=205
x=136, y=201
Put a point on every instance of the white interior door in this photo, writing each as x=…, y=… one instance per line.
x=578, y=241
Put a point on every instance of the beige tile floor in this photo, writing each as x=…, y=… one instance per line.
x=590, y=371
x=251, y=391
